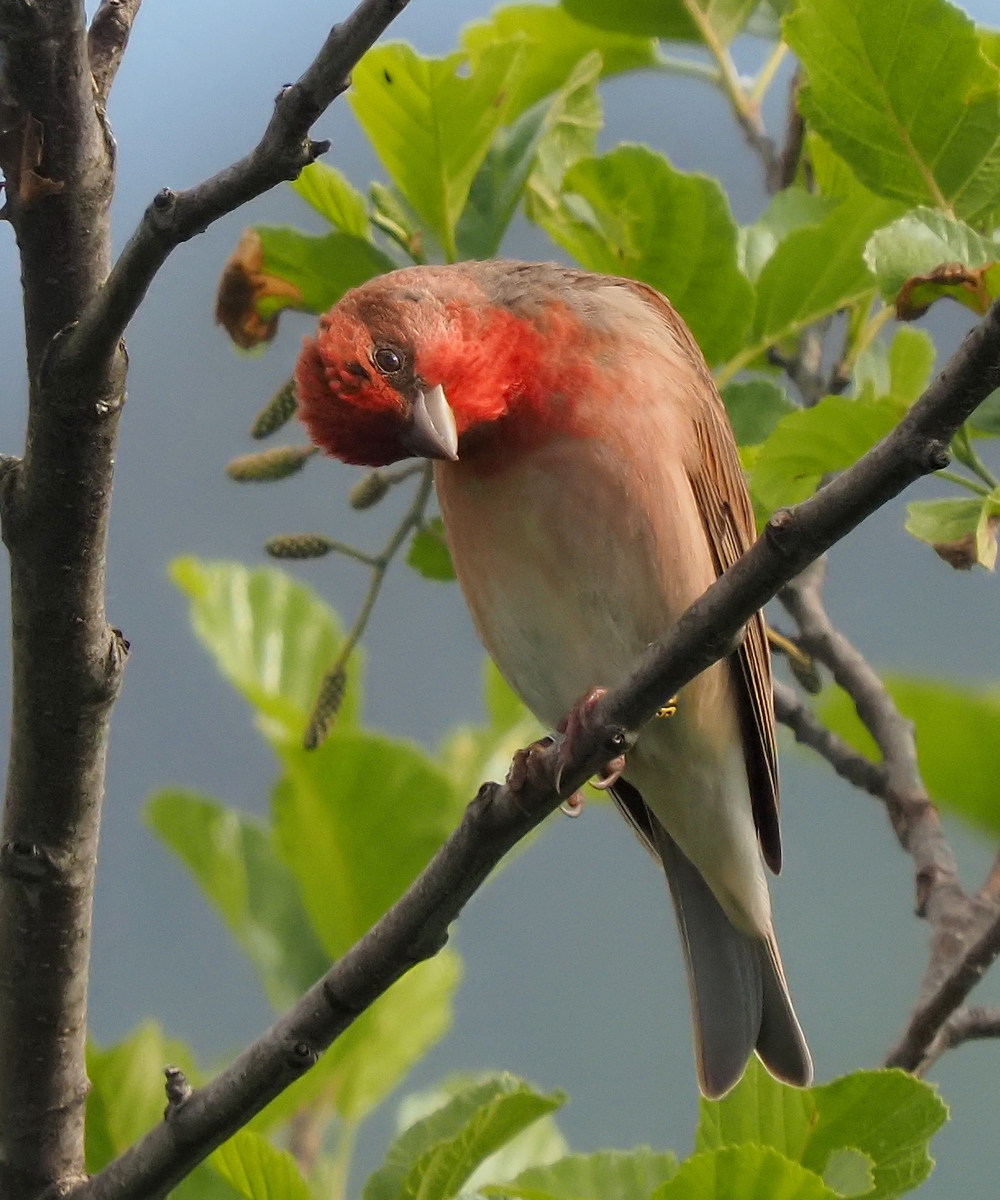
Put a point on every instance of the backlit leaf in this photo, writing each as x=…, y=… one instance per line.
x=631, y=213
x=431, y=126
x=231, y=857
x=326, y=190
x=429, y=554
x=606, y=1175
x=554, y=42
x=790, y=209
x=320, y=269
x=743, y=1173
x=259, y=1171
x=902, y=91
x=666, y=18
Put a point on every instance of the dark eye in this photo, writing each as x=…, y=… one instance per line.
x=387, y=360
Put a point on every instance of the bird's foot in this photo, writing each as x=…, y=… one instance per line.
x=572, y=726
x=669, y=709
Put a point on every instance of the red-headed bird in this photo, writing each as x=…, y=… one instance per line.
x=591, y=491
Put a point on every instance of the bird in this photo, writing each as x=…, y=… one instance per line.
x=591, y=490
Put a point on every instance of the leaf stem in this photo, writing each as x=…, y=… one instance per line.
x=767, y=73
x=962, y=481
x=671, y=64
x=965, y=452
x=323, y=716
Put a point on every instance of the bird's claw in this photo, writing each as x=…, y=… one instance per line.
x=571, y=726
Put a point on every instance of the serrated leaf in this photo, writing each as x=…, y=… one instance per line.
x=319, y=269
x=920, y=258
x=572, y=124
x=791, y=209
x=232, y=859
x=743, y=1173
x=754, y=408
x=326, y=190
x=669, y=19
x=848, y=1172
x=554, y=43
x=332, y=809
x=813, y=442
x=434, y=1157
x=127, y=1096
x=378, y=1048
x=606, y=1175
x=432, y=127
x=259, y=1171
x=887, y=1116
x=630, y=213
x=759, y=1109
x=819, y=269
x=429, y=554
x=902, y=91
x=271, y=637
x=958, y=742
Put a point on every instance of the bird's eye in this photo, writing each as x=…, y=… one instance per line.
x=387, y=360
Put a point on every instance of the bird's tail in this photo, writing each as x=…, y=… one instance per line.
x=739, y=997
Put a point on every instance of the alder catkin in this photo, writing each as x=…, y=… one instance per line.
x=276, y=412
x=298, y=545
x=278, y=463
x=369, y=490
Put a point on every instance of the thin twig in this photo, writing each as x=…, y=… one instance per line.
x=964, y=1025
x=173, y=218
x=324, y=713
x=417, y=926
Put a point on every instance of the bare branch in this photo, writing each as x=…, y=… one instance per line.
x=965, y=930
x=810, y=731
x=106, y=41
x=964, y=1025
x=417, y=925
x=173, y=218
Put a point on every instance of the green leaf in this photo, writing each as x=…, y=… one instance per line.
x=205, y=1183
x=755, y=407
x=473, y=753
x=902, y=91
x=432, y=127
x=911, y=360
x=958, y=743
x=848, y=1172
x=429, y=554
x=572, y=124
x=127, y=1096
x=665, y=18
x=259, y=1171
x=789, y=210
x=434, y=1157
x=554, y=42
x=818, y=269
x=233, y=861
x=759, y=1109
x=392, y=214
x=271, y=637
x=317, y=270
x=986, y=418
x=630, y=213
x=379, y=1048
x=330, y=194
x=887, y=1116
x=916, y=261
x=743, y=1173
x=963, y=532
x=989, y=43
x=356, y=821
x=606, y=1175
x=812, y=442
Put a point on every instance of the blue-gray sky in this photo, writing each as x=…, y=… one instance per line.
x=573, y=975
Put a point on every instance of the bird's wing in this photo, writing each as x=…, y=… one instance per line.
x=717, y=482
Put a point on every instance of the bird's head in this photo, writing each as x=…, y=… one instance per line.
x=414, y=363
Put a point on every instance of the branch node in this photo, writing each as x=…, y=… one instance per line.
x=178, y=1091
x=777, y=531
x=318, y=148
x=300, y=1056
x=936, y=455
x=164, y=199
x=27, y=861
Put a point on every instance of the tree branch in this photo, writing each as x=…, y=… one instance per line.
x=965, y=930
x=416, y=927
x=173, y=218
x=964, y=1025
x=106, y=41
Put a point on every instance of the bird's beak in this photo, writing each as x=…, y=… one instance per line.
x=432, y=432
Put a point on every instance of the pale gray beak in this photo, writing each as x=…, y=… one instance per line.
x=432, y=432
